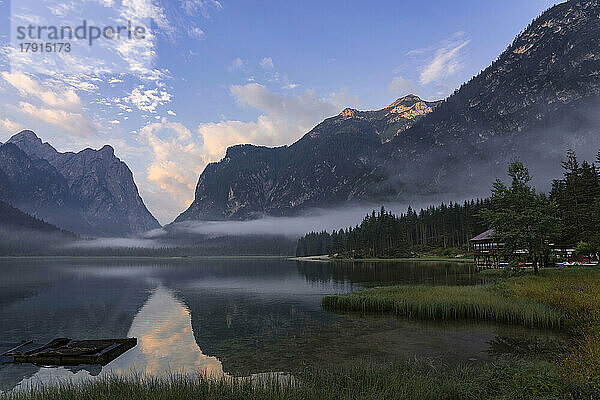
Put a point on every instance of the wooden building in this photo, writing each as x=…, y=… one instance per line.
x=486, y=250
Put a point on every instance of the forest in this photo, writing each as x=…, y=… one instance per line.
x=573, y=204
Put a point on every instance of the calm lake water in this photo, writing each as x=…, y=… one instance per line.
x=233, y=317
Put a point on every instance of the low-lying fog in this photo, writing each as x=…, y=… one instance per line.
x=290, y=227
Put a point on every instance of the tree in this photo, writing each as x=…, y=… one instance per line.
x=522, y=219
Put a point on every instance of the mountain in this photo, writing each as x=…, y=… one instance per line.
x=538, y=99
x=22, y=234
x=89, y=192
x=15, y=219
x=324, y=165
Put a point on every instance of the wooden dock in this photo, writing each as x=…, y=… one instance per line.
x=65, y=351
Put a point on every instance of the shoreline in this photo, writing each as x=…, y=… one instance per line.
x=326, y=258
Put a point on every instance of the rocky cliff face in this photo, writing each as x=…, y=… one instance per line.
x=539, y=98
x=90, y=192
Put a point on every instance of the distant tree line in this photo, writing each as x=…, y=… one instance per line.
x=385, y=235
x=569, y=216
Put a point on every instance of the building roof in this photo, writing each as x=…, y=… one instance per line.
x=487, y=235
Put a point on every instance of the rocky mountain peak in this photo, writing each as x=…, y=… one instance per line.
x=349, y=113
x=411, y=107
x=31, y=144
x=108, y=149
x=106, y=152
x=90, y=192
x=408, y=99
x=25, y=136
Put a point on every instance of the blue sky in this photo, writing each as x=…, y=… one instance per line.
x=210, y=74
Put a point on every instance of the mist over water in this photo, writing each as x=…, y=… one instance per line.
x=178, y=234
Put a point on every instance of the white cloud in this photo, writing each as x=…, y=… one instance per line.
x=60, y=105
x=148, y=99
x=177, y=159
x=284, y=119
x=304, y=110
x=196, y=33
x=171, y=112
x=445, y=62
x=203, y=6
x=237, y=65
x=267, y=63
x=73, y=122
x=64, y=98
x=343, y=99
x=137, y=10
x=400, y=86
x=8, y=126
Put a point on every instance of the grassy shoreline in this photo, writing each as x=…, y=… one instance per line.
x=448, y=302
x=363, y=380
x=566, y=299
x=358, y=260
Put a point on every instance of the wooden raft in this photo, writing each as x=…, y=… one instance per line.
x=64, y=351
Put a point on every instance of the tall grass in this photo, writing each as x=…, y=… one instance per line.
x=568, y=298
x=448, y=302
x=575, y=292
x=362, y=380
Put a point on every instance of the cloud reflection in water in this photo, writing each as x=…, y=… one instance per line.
x=166, y=345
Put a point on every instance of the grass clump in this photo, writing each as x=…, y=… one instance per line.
x=566, y=298
x=362, y=380
x=448, y=302
x=576, y=293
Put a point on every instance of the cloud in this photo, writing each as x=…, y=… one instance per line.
x=60, y=105
x=312, y=220
x=267, y=63
x=400, y=86
x=72, y=122
x=343, y=99
x=177, y=159
x=283, y=120
x=8, y=126
x=65, y=99
x=237, y=65
x=202, y=6
x=304, y=110
x=148, y=99
x=445, y=62
x=196, y=33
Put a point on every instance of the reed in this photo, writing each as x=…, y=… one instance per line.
x=567, y=298
x=362, y=380
x=449, y=302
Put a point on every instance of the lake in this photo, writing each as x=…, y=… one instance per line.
x=232, y=317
